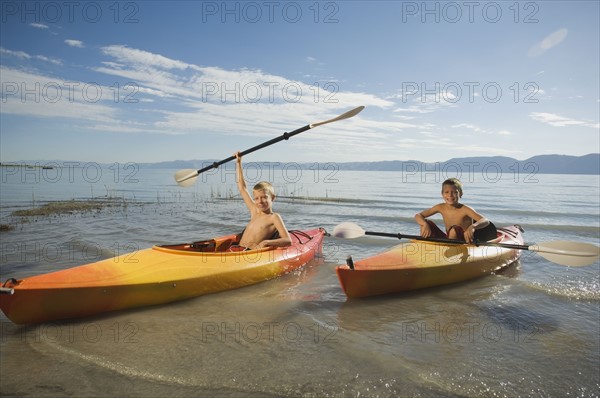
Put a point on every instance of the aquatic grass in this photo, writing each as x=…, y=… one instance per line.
x=6, y=227
x=70, y=207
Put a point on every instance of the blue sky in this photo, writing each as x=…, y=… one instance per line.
x=150, y=81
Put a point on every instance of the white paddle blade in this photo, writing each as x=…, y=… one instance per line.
x=186, y=178
x=343, y=116
x=348, y=230
x=573, y=254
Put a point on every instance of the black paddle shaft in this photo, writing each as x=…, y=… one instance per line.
x=284, y=136
x=414, y=237
x=451, y=241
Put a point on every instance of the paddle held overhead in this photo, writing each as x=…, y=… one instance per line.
x=187, y=177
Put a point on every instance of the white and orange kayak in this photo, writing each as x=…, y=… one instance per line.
x=420, y=264
x=157, y=275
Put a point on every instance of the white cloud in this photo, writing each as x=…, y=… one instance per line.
x=424, y=102
x=230, y=109
x=152, y=92
x=486, y=150
x=413, y=109
x=143, y=58
x=113, y=65
x=75, y=43
x=48, y=97
x=126, y=127
x=39, y=25
x=469, y=126
x=54, y=61
x=198, y=86
x=552, y=40
x=24, y=55
x=199, y=100
x=18, y=54
x=478, y=129
x=164, y=77
x=560, y=121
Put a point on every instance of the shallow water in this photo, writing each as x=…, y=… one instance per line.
x=530, y=331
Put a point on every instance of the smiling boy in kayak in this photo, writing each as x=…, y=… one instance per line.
x=266, y=228
x=461, y=221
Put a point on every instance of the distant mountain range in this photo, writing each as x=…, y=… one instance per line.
x=542, y=164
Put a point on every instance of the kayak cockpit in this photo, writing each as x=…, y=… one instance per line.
x=224, y=243
x=216, y=245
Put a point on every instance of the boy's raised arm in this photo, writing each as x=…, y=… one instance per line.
x=241, y=183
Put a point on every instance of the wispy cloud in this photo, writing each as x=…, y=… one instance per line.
x=46, y=98
x=412, y=109
x=142, y=58
x=200, y=99
x=38, y=25
x=75, y=43
x=486, y=150
x=11, y=53
x=560, y=121
x=480, y=130
x=418, y=102
x=24, y=55
x=199, y=85
x=469, y=126
x=550, y=41
x=51, y=60
x=425, y=105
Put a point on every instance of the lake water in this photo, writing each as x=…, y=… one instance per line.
x=529, y=331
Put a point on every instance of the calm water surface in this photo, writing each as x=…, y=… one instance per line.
x=530, y=331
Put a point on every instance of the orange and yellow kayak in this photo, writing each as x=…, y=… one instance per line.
x=157, y=275
x=421, y=264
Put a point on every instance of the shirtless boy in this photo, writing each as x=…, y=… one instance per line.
x=461, y=221
x=264, y=223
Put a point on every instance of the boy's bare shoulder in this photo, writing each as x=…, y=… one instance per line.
x=277, y=216
x=270, y=215
x=439, y=207
x=465, y=207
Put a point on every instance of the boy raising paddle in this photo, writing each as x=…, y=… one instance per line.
x=266, y=228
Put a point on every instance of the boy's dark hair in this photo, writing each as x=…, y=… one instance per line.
x=455, y=182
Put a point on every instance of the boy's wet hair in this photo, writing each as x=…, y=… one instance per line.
x=267, y=187
x=455, y=182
